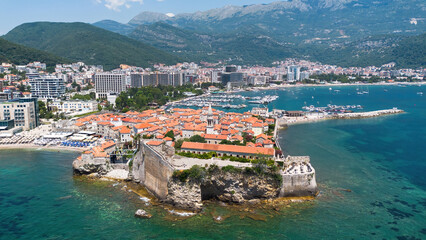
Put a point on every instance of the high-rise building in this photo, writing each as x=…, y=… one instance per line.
x=154, y=79
x=230, y=68
x=106, y=83
x=47, y=87
x=216, y=76
x=24, y=112
x=136, y=80
x=293, y=73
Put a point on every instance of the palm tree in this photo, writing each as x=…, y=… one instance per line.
x=136, y=140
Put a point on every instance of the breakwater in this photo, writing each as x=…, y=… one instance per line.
x=308, y=117
x=371, y=114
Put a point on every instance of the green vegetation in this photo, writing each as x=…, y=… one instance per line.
x=140, y=98
x=147, y=136
x=87, y=97
x=43, y=112
x=196, y=173
x=86, y=114
x=170, y=134
x=197, y=138
x=89, y=44
x=231, y=169
x=271, y=129
x=18, y=54
x=227, y=142
x=208, y=155
x=178, y=143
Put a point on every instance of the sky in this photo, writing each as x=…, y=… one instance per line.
x=16, y=12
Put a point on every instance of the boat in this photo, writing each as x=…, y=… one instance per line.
x=420, y=93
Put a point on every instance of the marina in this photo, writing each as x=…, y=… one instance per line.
x=333, y=108
x=226, y=101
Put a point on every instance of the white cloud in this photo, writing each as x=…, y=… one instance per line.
x=117, y=4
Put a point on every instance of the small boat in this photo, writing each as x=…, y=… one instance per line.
x=420, y=93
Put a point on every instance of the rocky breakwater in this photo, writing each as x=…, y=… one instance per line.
x=187, y=189
x=370, y=114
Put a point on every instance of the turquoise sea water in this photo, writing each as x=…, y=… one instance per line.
x=382, y=161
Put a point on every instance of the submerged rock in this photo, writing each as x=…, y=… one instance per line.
x=140, y=213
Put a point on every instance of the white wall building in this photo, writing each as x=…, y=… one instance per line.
x=109, y=83
x=74, y=106
x=48, y=87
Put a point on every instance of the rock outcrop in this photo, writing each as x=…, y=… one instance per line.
x=223, y=186
x=239, y=187
x=140, y=213
x=184, y=195
x=87, y=165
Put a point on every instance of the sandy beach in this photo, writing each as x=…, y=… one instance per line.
x=38, y=147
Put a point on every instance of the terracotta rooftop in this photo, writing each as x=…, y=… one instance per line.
x=125, y=130
x=154, y=143
x=228, y=148
x=215, y=136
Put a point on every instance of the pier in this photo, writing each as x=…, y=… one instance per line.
x=367, y=114
x=308, y=117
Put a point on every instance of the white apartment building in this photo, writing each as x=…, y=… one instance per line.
x=74, y=106
x=109, y=83
x=23, y=113
x=47, y=87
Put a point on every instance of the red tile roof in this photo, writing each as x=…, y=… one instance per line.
x=215, y=136
x=154, y=143
x=228, y=148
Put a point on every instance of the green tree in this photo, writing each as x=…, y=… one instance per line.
x=178, y=143
x=170, y=134
x=197, y=138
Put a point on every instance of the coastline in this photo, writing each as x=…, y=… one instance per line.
x=37, y=147
x=339, y=85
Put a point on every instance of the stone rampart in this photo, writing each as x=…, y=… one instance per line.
x=153, y=170
x=298, y=177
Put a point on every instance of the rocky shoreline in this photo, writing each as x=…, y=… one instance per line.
x=232, y=185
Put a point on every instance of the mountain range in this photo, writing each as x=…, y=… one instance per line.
x=340, y=32
x=18, y=54
x=87, y=43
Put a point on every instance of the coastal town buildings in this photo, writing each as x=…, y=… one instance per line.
x=245, y=132
x=47, y=87
x=107, y=83
x=23, y=112
x=154, y=79
x=73, y=106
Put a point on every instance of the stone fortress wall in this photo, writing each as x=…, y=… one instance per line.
x=153, y=170
x=298, y=177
